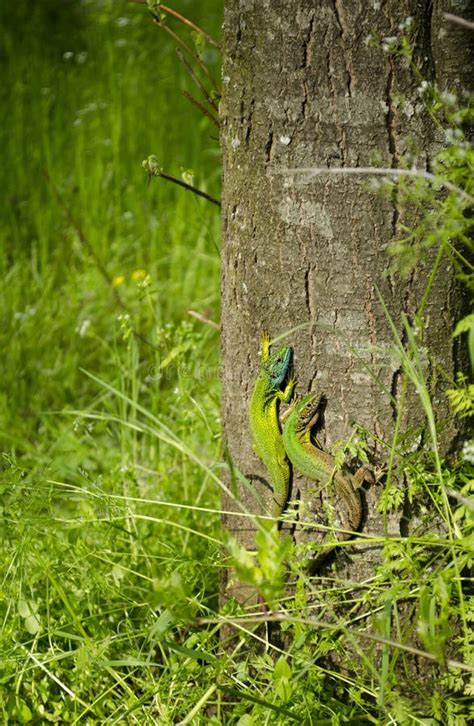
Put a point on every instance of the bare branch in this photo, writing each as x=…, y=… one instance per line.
x=189, y=187
x=203, y=319
x=458, y=21
x=191, y=25
x=188, y=50
x=202, y=88
x=201, y=108
x=380, y=171
x=185, y=21
x=152, y=169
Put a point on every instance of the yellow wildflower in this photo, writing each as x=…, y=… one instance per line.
x=138, y=275
x=118, y=280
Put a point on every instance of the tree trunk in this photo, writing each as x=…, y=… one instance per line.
x=304, y=256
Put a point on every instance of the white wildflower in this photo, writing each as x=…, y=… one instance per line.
x=468, y=451
x=83, y=327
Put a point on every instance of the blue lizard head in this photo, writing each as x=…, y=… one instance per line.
x=277, y=365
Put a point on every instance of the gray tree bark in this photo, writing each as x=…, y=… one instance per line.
x=302, y=87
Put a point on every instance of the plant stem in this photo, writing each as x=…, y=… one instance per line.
x=185, y=185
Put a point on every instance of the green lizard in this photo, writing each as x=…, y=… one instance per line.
x=263, y=415
x=320, y=466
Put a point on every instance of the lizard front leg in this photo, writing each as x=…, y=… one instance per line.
x=286, y=394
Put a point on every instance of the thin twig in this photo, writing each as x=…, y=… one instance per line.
x=188, y=50
x=201, y=108
x=50, y=674
x=459, y=21
x=203, y=319
x=185, y=185
x=380, y=171
x=456, y=495
x=191, y=25
x=197, y=81
x=183, y=20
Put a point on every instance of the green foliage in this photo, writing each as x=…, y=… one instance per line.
x=466, y=325
x=266, y=568
x=101, y=560
x=461, y=398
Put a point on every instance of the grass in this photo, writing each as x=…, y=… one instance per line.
x=110, y=435
x=86, y=117
x=88, y=556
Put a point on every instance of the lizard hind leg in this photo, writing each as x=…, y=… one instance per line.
x=363, y=474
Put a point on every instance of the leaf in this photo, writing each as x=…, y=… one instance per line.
x=464, y=325
x=246, y=720
x=283, y=689
x=32, y=624
x=282, y=669
x=470, y=345
x=118, y=574
x=161, y=625
x=175, y=352
x=20, y=712
x=196, y=655
x=282, y=677
x=244, y=695
x=26, y=608
x=23, y=608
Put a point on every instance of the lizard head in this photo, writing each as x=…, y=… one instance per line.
x=277, y=365
x=306, y=411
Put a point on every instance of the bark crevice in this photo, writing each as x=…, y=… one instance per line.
x=339, y=14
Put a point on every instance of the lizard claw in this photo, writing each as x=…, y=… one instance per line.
x=264, y=345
